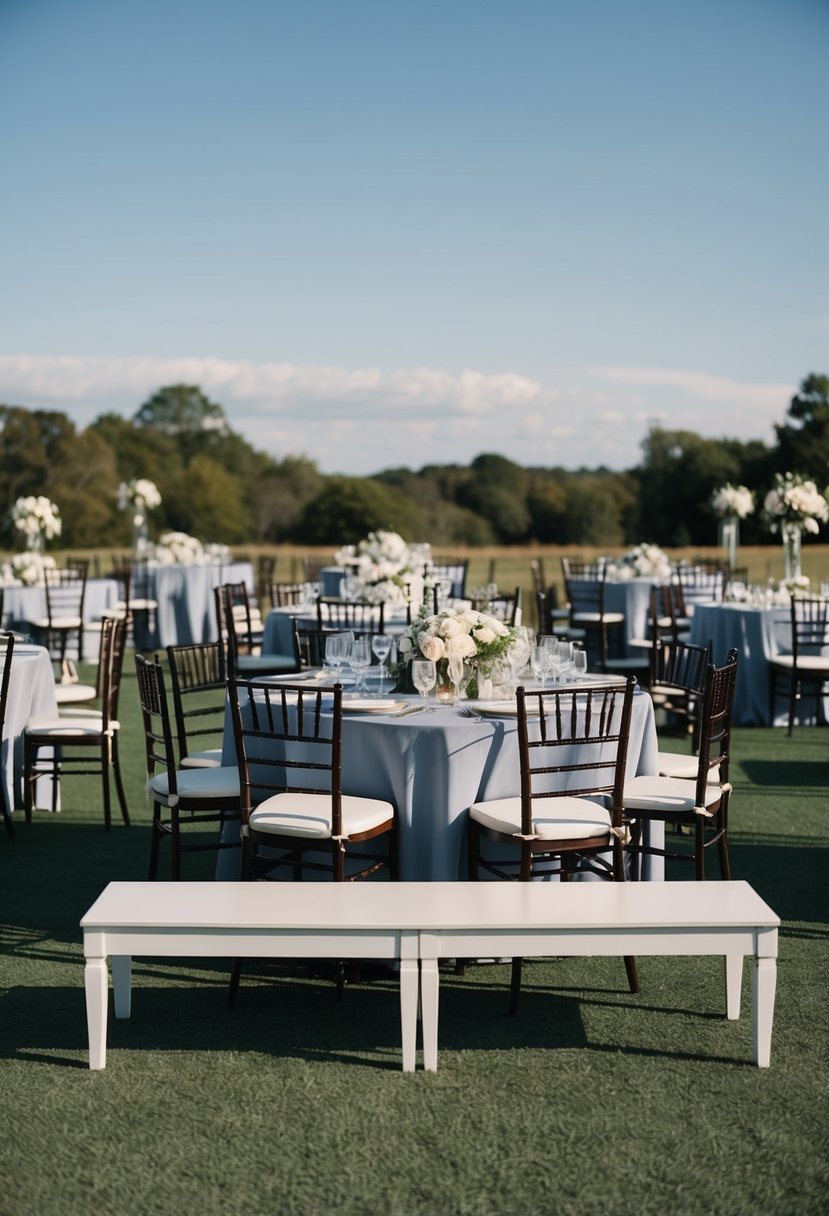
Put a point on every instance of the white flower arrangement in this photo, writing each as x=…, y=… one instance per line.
x=26, y=568
x=643, y=561
x=381, y=565
x=180, y=549
x=795, y=500
x=141, y=494
x=454, y=636
x=733, y=500
x=36, y=517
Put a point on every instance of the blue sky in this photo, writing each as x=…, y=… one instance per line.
x=384, y=233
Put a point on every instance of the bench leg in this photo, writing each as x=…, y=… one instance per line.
x=733, y=985
x=763, y=984
x=429, y=991
x=95, y=978
x=122, y=984
x=409, y=975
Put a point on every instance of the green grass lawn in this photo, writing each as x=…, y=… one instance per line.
x=590, y=1101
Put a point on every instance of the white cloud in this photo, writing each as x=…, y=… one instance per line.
x=361, y=420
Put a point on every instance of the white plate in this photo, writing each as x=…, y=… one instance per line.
x=375, y=705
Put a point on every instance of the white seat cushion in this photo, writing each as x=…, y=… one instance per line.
x=563, y=818
x=68, y=694
x=58, y=622
x=211, y=757
x=683, y=766
x=71, y=727
x=815, y=663
x=609, y=618
x=203, y=783
x=310, y=815
x=667, y=794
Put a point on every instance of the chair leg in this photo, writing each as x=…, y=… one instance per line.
x=699, y=849
x=105, y=762
x=155, y=840
x=233, y=985
x=7, y=816
x=515, y=986
x=630, y=968
x=119, y=784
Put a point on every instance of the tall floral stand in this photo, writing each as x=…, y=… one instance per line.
x=792, y=537
x=730, y=539
x=140, y=534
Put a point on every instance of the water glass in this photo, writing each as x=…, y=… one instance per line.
x=360, y=660
x=381, y=645
x=424, y=675
x=580, y=664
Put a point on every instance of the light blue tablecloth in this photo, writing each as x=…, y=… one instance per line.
x=186, y=613
x=432, y=767
x=758, y=634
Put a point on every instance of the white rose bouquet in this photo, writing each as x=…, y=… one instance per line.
x=37, y=518
x=177, y=548
x=455, y=637
x=643, y=561
x=141, y=494
x=795, y=500
x=733, y=500
x=27, y=568
x=381, y=565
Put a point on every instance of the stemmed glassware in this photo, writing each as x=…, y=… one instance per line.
x=424, y=675
x=336, y=652
x=360, y=660
x=381, y=645
x=580, y=663
x=564, y=659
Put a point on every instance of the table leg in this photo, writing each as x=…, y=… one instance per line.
x=429, y=992
x=95, y=983
x=763, y=984
x=733, y=985
x=122, y=984
x=409, y=975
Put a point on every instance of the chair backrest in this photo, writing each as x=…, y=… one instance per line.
x=579, y=733
x=506, y=607
x=247, y=622
x=288, y=740
x=538, y=576
x=454, y=569
x=287, y=595
x=809, y=619
x=700, y=584
x=155, y=714
x=111, y=665
x=195, y=672
x=679, y=665
x=311, y=645
x=342, y=614
x=585, y=585
x=65, y=593
x=715, y=723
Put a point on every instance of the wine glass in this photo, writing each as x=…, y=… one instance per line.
x=381, y=645
x=360, y=660
x=335, y=653
x=424, y=676
x=538, y=664
x=564, y=659
x=580, y=664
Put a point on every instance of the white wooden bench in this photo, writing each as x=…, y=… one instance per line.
x=405, y=922
x=243, y=920
x=496, y=919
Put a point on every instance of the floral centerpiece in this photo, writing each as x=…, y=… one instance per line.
x=454, y=638
x=38, y=519
x=794, y=505
x=381, y=568
x=140, y=495
x=731, y=504
x=26, y=568
x=180, y=549
x=643, y=561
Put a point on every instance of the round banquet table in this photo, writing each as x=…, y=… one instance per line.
x=432, y=767
x=758, y=634
x=31, y=691
x=186, y=613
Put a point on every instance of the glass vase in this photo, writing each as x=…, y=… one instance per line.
x=140, y=534
x=34, y=542
x=445, y=691
x=792, y=537
x=730, y=539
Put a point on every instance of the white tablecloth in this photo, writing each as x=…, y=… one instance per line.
x=31, y=691
x=432, y=767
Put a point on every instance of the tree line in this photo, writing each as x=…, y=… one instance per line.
x=218, y=487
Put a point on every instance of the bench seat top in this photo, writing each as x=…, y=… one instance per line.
x=453, y=906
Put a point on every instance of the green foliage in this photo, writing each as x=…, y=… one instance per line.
x=217, y=486
x=804, y=440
